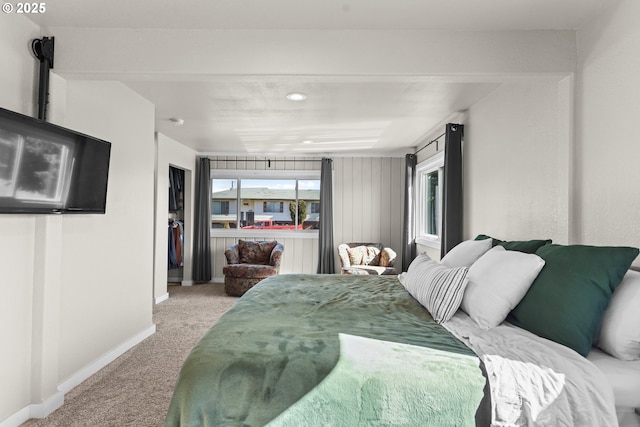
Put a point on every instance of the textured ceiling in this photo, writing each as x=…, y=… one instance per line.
x=252, y=115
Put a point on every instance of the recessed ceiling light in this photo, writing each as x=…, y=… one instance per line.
x=296, y=96
x=176, y=121
x=307, y=141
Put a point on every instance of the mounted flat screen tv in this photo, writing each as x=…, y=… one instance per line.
x=46, y=168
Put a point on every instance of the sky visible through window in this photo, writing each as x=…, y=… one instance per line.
x=288, y=184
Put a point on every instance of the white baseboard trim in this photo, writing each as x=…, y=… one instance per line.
x=41, y=410
x=18, y=418
x=109, y=357
x=34, y=410
x=161, y=298
x=218, y=280
x=187, y=283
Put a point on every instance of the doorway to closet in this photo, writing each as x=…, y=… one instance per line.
x=176, y=225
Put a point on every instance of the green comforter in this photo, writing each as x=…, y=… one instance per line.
x=281, y=339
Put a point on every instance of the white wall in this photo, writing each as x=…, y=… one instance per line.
x=17, y=232
x=312, y=52
x=106, y=257
x=608, y=173
x=18, y=68
x=515, y=157
x=368, y=201
x=171, y=153
x=63, y=314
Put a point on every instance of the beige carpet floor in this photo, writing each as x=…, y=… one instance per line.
x=135, y=389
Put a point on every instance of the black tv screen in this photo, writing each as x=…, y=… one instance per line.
x=46, y=168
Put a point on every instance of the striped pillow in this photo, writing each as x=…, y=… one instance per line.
x=438, y=288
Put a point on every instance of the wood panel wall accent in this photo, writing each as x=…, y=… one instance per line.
x=368, y=194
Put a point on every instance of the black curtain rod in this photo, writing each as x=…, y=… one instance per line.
x=265, y=160
x=431, y=142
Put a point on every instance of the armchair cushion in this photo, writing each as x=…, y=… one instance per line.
x=366, y=258
x=252, y=252
x=364, y=255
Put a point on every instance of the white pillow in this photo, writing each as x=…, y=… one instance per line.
x=620, y=332
x=438, y=288
x=497, y=283
x=466, y=253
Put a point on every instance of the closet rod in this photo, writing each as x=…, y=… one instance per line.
x=431, y=142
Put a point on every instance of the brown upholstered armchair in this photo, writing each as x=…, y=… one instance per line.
x=366, y=258
x=249, y=262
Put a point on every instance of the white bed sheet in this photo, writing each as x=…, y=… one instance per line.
x=624, y=377
x=537, y=382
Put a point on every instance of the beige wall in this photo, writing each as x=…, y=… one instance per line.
x=608, y=195
x=171, y=153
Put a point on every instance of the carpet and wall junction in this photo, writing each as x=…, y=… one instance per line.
x=135, y=389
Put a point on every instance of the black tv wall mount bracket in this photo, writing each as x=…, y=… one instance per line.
x=43, y=50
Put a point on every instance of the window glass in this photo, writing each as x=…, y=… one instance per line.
x=220, y=207
x=433, y=203
x=309, y=203
x=279, y=204
x=429, y=178
x=272, y=207
x=224, y=203
x=262, y=203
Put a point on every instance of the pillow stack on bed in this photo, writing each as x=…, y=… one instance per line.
x=559, y=292
x=567, y=301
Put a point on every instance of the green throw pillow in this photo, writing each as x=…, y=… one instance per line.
x=526, y=246
x=567, y=300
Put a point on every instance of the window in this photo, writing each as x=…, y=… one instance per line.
x=273, y=207
x=429, y=185
x=224, y=203
x=220, y=207
x=252, y=202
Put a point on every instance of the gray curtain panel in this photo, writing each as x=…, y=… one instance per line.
x=326, y=262
x=408, y=224
x=452, y=201
x=202, y=222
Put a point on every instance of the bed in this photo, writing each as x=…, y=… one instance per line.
x=363, y=350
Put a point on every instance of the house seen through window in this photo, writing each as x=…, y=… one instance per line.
x=271, y=204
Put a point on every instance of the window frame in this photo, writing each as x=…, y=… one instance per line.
x=423, y=169
x=240, y=174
